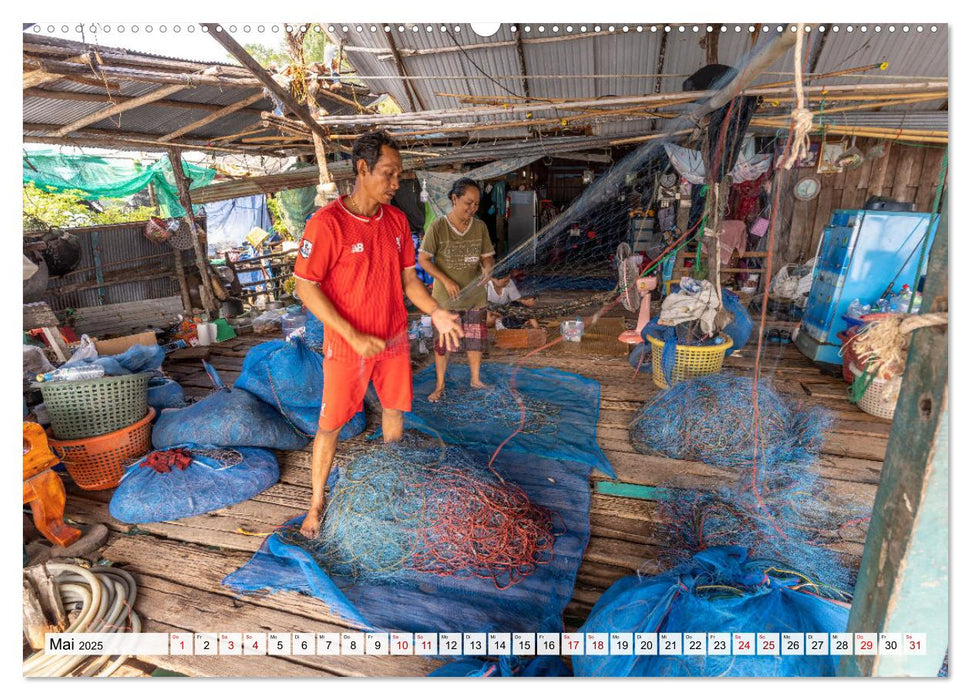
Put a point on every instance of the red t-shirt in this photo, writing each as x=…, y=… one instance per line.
x=357, y=262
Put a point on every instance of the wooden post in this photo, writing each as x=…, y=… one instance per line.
x=183, y=281
x=903, y=580
x=202, y=256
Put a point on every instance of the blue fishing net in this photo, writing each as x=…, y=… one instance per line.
x=165, y=393
x=505, y=667
x=369, y=582
x=534, y=284
x=561, y=411
x=290, y=376
x=719, y=590
x=711, y=419
x=216, y=478
x=226, y=418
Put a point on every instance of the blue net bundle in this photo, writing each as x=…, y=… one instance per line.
x=712, y=419
x=165, y=393
x=433, y=509
x=497, y=406
x=505, y=667
x=217, y=477
x=722, y=589
x=226, y=418
x=289, y=375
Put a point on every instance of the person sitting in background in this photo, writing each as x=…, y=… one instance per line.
x=502, y=291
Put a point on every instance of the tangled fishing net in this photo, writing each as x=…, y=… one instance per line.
x=429, y=508
x=495, y=405
x=712, y=419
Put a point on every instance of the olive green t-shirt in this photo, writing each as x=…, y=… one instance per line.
x=460, y=257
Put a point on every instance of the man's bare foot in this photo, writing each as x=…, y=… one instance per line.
x=436, y=395
x=479, y=385
x=311, y=524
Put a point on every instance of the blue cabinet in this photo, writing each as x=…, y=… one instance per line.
x=861, y=252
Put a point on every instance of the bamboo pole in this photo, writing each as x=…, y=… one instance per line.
x=64, y=69
x=102, y=97
x=219, y=114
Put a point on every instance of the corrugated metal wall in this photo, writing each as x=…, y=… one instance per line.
x=110, y=252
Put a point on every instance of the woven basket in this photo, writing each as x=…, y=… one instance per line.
x=93, y=407
x=689, y=361
x=98, y=463
x=881, y=396
x=182, y=238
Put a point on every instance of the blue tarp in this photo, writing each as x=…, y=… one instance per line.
x=718, y=590
x=417, y=602
x=562, y=410
x=228, y=221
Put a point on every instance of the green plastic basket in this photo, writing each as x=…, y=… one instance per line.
x=93, y=407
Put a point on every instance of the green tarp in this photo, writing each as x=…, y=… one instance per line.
x=103, y=178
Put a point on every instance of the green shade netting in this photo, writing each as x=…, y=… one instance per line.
x=298, y=204
x=97, y=177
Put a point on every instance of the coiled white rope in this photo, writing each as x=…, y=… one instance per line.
x=106, y=596
x=802, y=118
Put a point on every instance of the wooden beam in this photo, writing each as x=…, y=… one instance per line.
x=522, y=63
x=817, y=49
x=37, y=77
x=102, y=97
x=118, y=109
x=260, y=73
x=903, y=580
x=410, y=90
x=219, y=114
x=202, y=255
x=100, y=138
x=70, y=70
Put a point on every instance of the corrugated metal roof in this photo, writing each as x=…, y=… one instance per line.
x=154, y=119
x=618, y=62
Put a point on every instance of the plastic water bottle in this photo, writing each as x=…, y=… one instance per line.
x=73, y=374
x=855, y=310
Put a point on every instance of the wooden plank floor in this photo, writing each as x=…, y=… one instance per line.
x=179, y=565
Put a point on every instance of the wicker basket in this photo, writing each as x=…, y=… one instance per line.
x=98, y=463
x=93, y=407
x=690, y=360
x=880, y=398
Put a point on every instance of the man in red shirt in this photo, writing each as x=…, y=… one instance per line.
x=355, y=265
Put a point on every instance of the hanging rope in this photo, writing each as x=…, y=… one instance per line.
x=802, y=118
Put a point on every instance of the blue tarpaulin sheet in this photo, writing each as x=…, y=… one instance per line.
x=562, y=410
x=421, y=602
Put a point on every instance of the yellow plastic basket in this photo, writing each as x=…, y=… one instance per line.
x=689, y=361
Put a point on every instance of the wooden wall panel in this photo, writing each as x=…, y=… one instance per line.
x=905, y=172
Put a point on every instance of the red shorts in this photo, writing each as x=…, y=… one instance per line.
x=345, y=384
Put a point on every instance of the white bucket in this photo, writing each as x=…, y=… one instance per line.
x=206, y=333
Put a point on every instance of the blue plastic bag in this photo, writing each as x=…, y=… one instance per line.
x=740, y=329
x=290, y=376
x=227, y=418
x=207, y=484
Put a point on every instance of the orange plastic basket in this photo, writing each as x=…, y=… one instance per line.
x=97, y=463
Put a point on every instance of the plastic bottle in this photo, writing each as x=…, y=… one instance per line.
x=855, y=309
x=73, y=374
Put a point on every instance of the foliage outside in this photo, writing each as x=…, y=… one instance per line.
x=47, y=209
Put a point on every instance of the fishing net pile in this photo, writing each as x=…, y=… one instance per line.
x=714, y=420
x=429, y=508
x=496, y=405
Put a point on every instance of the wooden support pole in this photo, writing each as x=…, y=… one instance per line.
x=202, y=255
x=522, y=64
x=219, y=114
x=903, y=580
x=260, y=73
x=183, y=281
x=414, y=99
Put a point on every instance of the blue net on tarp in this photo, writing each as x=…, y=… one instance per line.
x=561, y=411
x=289, y=375
x=226, y=418
x=719, y=590
x=710, y=419
x=402, y=598
x=216, y=478
x=165, y=393
x=505, y=667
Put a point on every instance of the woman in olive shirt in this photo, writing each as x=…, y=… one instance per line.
x=455, y=250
